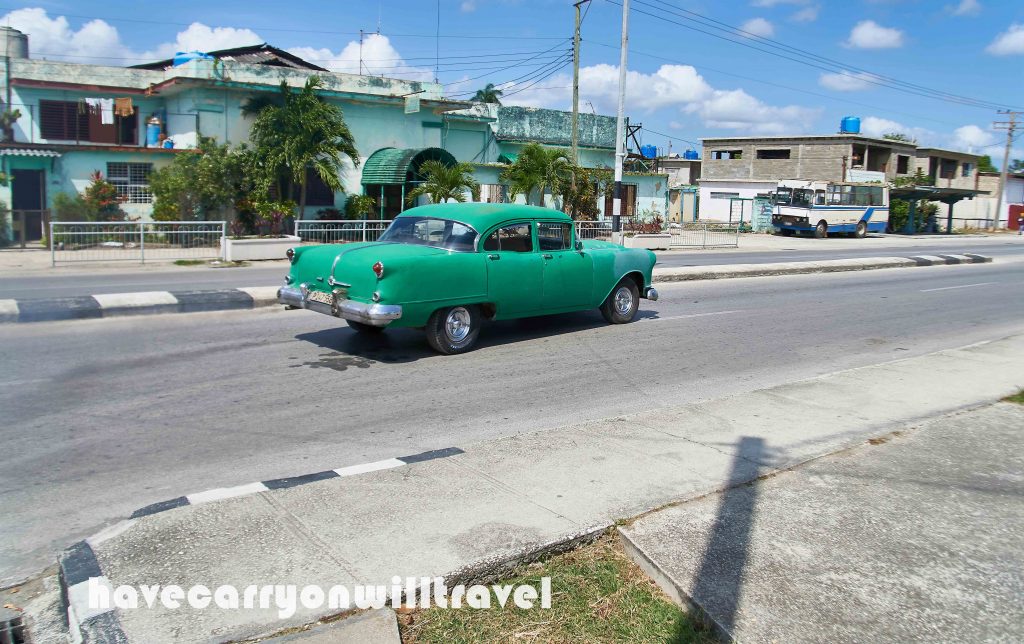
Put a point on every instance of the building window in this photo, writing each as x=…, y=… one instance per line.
x=902, y=164
x=725, y=195
x=967, y=169
x=318, y=193
x=947, y=168
x=725, y=155
x=628, y=201
x=773, y=154
x=63, y=121
x=131, y=180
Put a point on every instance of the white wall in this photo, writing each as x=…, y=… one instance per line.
x=718, y=209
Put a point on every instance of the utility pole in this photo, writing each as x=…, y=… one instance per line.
x=576, y=84
x=1010, y=126
x=620, y=133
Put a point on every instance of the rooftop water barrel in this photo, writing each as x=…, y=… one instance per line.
x=691, y=155
x=648, y=151
x=850, y=125
x=183, y=57
x=15, y=43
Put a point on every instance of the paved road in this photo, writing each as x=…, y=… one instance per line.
x=104, y=416
x=66, y=283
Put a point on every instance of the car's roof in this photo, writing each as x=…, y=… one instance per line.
x=484, y=215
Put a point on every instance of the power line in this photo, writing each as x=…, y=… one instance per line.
x=805, y=58
x=511, y=66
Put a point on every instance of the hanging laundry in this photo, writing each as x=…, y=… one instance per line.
x=92, y=106
x=106, y=111
x=123, y=106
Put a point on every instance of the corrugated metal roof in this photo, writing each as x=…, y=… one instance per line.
x=28, y=152
x=389, y=166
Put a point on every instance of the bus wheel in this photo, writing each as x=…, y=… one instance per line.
x=862, y=230
x=821, y=230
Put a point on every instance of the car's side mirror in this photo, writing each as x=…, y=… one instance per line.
x=579, y=245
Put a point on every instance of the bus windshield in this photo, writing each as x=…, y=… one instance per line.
x=783, y=196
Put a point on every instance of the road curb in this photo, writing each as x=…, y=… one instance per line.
x=689, y=273
x=107, y=305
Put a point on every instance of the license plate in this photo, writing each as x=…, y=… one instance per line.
x=320, y=296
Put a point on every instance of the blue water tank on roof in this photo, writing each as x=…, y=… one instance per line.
x=850, y=125
x=648, y=151
x=183, y=57
x=691, y=155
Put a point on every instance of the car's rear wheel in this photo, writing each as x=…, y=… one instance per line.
x=622, y=303
x=862, y=230
x=364, y=328
x=454, y=329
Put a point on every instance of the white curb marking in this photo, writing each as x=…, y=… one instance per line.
x=134, y=300
x=78, y=600
x=261, y=294
x=8, y=308
x=225, y=493
x=369, y=467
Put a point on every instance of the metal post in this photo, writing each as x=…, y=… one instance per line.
x=1010, y=126
x=620, y=134
x=382, y=202
x=911, y=226
x=364, y=229
x=53, y=247
x=224, y=234
x=949, y=218
x=142, y=241
x=576, y=84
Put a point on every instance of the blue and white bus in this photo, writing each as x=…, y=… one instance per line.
x=824, y=207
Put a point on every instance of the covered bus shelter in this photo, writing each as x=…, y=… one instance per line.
x=948, y=196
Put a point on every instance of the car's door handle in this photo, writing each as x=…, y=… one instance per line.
x=494, y=256
x=546, y=256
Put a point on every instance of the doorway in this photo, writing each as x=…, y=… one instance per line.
x=28, y=200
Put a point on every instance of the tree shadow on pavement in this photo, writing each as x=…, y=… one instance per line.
x=719, y=580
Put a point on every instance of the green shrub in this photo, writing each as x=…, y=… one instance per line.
x=68, y=206
x=359, y=207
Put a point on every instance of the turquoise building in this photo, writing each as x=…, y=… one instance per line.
x=74, y=120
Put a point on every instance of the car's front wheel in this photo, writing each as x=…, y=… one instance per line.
x=622, y=303
x=454, y=329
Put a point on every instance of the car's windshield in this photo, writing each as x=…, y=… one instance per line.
x=428, y=231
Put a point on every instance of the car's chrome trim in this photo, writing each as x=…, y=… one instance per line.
x=372, y=314
x=651, y=293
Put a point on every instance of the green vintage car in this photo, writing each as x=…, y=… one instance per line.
x=448, y=267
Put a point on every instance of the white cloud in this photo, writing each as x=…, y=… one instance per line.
x=807, y=14
x=847, y=81
x=965, y=8
x=200, y=37
x=758, y=27
x=737, y=110
x=95, y=42
x=868, y=34
x=672, y=87
x=972, y=137
x=675, y=125
x=1009, y=42
x=468, y=6
x=378, y=55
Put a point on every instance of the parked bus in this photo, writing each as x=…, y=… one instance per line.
x=824, y=207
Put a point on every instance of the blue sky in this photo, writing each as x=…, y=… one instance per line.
x=683, y=85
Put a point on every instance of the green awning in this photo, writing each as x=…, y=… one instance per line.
x=391, y=166
x=507, y=157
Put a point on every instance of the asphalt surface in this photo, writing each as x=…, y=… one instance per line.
x=62, y=282
x=103, y=417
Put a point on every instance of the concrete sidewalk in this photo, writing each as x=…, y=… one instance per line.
x=476, y=511
x=917, y=539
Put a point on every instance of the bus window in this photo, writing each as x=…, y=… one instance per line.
x=819, y=197
x=783, y=196
x=803, y=198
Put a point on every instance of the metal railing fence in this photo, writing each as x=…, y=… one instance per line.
x=134, y=241
x=704, y=235
x=594, y=229
x=23, y=226
x=340, y=231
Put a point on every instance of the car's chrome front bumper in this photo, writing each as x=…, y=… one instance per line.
x=651, y=293
x=372, y=314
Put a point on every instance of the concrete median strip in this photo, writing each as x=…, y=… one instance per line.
x=106, y=305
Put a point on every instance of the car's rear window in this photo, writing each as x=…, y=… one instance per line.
x=430, y=231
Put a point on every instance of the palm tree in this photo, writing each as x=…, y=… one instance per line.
x=538, y=168
x=443, y=182
x=489, y=94
x=298, y=131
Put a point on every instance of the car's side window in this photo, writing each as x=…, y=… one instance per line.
x=552, y=236
x=515, y=238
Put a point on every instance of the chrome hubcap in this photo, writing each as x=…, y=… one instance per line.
x=623, y=300
x=456, y=325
